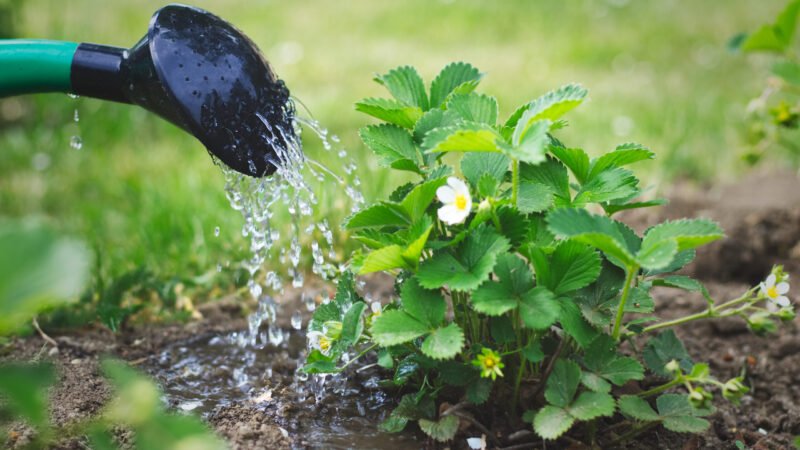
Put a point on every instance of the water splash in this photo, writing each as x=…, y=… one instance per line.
x=277, y=250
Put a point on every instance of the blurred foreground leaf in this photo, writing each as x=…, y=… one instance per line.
x=38, y=270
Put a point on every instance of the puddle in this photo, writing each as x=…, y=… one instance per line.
x=209, y=373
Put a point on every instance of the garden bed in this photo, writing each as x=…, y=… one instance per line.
x=259, y=409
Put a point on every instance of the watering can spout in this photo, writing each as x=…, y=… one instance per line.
x=191, y=68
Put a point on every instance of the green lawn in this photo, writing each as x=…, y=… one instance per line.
x=144, y=193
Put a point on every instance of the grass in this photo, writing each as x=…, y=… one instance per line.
x=143, y=193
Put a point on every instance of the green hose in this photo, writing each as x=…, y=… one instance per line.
x=28, y=66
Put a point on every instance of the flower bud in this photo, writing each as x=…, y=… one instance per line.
x=760, y=323
x=734, y=389
x=673, y=366
x=786, y=314
x=484, y=205
x=699, y=397
x=332, y=329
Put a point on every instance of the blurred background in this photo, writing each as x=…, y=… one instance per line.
x=144, y=194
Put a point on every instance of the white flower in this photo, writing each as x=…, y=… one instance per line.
x=775, y=292
x=376, y=308
x=457, y=201
x=477, y=443
x=320, y=341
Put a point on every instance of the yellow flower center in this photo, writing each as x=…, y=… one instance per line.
x=489, y=362
x=324, y=344
x=461, y=201
x=772, y=292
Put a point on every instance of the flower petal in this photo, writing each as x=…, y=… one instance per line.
x=763, y=288
x=375, y=307
x=451, y=215
x=783, y=301
x=446, y=194
x=782, y=288
x=770, y=281
x=459, y=186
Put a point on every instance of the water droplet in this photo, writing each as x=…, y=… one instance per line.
x=219, y=267
x=216, y=231
x=297, y=320
x=76, y=117
x=71, y=95
x=76, y=142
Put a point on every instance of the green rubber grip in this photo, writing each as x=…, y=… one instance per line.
x=29, y=66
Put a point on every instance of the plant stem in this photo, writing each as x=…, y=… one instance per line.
x=517, y=382
x=626, y=290
x=514, y=181
x=662, y=388
x=711, y=311
x=364, y=352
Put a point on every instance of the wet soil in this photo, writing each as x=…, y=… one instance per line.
x=251, y=398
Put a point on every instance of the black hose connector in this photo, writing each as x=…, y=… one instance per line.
x=97, y=71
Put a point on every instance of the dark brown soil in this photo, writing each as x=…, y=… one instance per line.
x=762, y=218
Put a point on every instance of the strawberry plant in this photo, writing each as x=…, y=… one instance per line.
x=515, y=282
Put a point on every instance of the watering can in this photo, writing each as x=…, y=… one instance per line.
x=191, y=68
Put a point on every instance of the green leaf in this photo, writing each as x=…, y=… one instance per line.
x=595, y=382
x=678, y=415
x=575, y=325
x=575, y=159
x=405, y=84
x=412, y=253
x=636, y=407
x=473, y=107
x=425, y=305
x=598, y=231
x=383, y=214
x=391, y=111
x=487, y=185
x=551, y=422
x=681, y=259
x=396, y=327
x=386, y=258
x=614, y=207
x=686, y=424
x=539, y=309
x=623, y=155
x=554, y=104
x=432, y=119
x=393, y=424
x=662, y=349
x=24, y=390
x=417, y=201
x=687, y=233
x=788, y=70
x=353, y=324
x=655, y=255
x=609, y=185
x=529, y=143
x=685, y=283
x=456, y=77
x=475, y=165
x=534, y=197
x=496, y=298
x=776, y=37
x=479, y=390
x=444, y=343
x=563, y=383
x=467, y=137
x=590, y=405
x=533, y=352
x=393, y=146
x=466, y=268
x=602, y=359
x=38, y=270
x=550, y=173
x=443, y=430
x=573, y=265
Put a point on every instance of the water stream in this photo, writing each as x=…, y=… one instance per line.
x=258, y=365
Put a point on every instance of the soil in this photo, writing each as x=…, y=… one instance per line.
x=761, y=216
